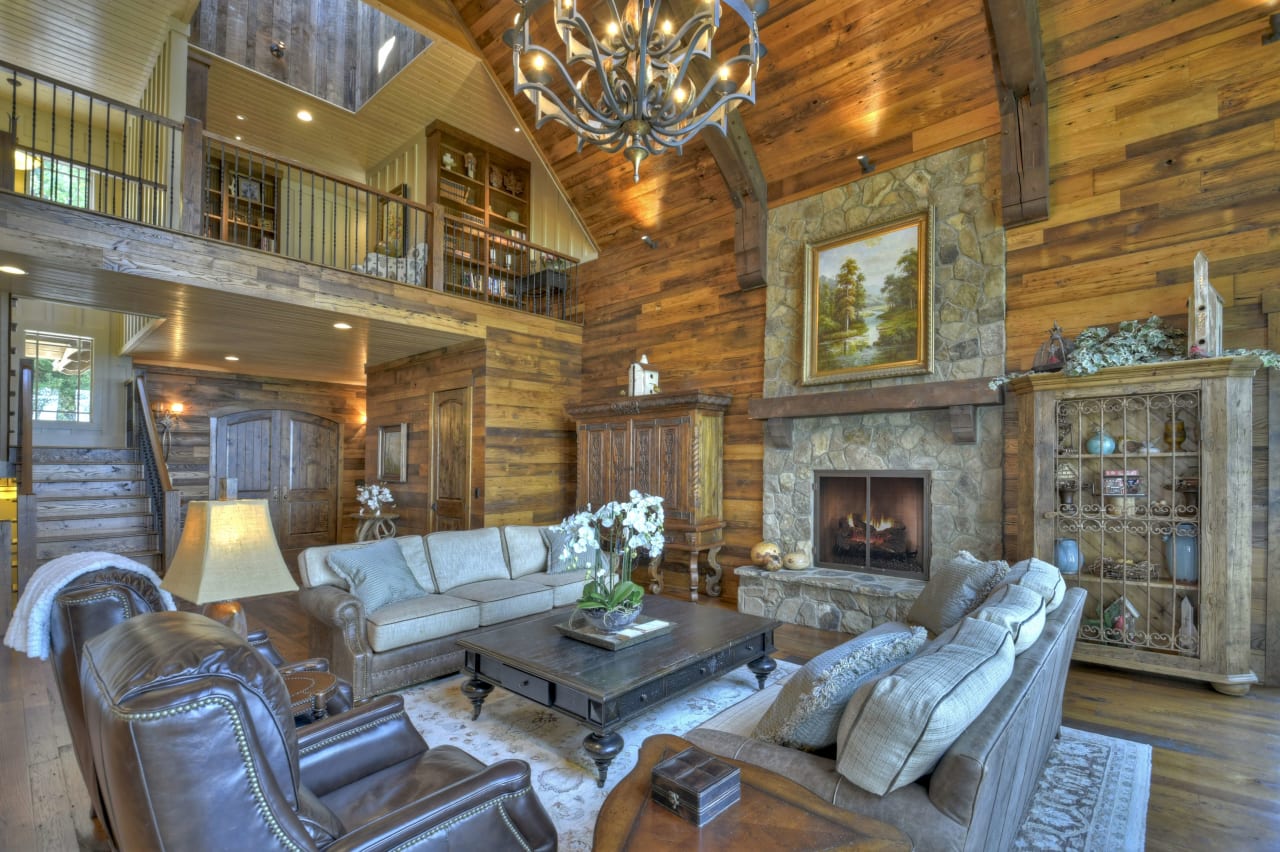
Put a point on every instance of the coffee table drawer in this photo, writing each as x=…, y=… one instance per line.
x=639, y=700
x=691, y=675
x=514, y=680
x=533, y=688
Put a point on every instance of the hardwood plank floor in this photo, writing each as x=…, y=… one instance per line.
x=1215, y=768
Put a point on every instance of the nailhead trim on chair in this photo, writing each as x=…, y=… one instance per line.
x=348, y=732
x=450, y=823
x=255, y=785
x=109, y=594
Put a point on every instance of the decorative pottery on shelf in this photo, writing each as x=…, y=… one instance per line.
x=1066, y=555
x=1100, y=444
x=1182, y=553
x=1175, y=434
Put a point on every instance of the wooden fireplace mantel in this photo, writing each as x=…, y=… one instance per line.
x=961, y=397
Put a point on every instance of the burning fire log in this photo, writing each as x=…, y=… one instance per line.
x=853, y=534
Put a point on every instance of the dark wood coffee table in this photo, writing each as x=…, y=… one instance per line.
x=604, y=689
x=774, y=814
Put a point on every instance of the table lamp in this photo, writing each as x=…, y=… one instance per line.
x=228, y=550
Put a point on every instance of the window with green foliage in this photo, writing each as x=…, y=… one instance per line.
x=58, y=180
x=63, y=375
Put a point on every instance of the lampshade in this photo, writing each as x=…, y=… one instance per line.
x=228, y=550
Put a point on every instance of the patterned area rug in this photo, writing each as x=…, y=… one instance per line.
x=1070, y=810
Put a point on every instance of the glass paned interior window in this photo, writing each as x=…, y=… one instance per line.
x=63, y=375
x=58, y=180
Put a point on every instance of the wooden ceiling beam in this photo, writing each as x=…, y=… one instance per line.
x=1024, y=110
x=736, y=158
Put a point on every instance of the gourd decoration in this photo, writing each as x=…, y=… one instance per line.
x=767, y=555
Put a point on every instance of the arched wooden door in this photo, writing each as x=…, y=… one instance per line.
x=289, y=458
x=450, y=459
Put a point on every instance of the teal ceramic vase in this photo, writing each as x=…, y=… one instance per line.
x=1100, y=444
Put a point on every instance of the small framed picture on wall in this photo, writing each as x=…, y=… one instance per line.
x=392, y=446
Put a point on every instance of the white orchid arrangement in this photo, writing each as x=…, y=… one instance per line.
x=611, y=539
x=373, y=496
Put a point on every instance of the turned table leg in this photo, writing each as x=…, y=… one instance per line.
x=602, y=748
x=477, y=691
x=762, y=667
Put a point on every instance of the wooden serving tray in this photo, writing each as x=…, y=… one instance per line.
x=623, y=638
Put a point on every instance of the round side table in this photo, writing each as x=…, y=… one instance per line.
x=373, y=527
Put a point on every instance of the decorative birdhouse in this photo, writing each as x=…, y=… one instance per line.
x=1204, y=313
x=1053, y=353
x=641, y=381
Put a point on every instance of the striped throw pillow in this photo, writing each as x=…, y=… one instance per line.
x=376, y=573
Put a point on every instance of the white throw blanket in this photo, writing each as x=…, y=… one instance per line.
x=29, y=629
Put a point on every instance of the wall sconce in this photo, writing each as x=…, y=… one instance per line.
x=277, y=49
x=867, y=166
x=167, y=419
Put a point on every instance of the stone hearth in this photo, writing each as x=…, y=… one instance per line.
x=959, y=189
x=826, y=598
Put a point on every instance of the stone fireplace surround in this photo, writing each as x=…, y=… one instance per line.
x=892, y=423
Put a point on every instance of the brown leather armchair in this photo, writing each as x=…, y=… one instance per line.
x=93, y=602
x=195, y=748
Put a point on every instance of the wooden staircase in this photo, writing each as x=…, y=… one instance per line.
x=93, y=499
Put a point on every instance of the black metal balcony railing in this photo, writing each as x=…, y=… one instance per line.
x=75, y=148
x=79, y=149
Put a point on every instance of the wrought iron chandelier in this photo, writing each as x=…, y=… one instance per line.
x=647, y=84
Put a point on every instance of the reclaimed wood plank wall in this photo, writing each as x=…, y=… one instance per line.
x=1164, y=141
x=680, y=303
x=330, y=45
x=523, y=451
x=400, y=392
x=206, y=394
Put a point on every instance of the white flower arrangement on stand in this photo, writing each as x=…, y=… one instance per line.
x=372, y=497
x=607, y=542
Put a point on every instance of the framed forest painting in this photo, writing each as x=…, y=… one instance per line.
x=868, y=303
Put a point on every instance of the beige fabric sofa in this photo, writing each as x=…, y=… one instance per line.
x=978, y=793
x=471, y=579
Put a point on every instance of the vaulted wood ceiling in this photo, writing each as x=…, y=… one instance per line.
x=892, y=81
x=841, y=78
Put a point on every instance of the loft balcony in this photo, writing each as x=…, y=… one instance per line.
x=75, y=148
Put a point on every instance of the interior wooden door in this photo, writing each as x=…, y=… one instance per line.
x=450, y=459
x=289, y=458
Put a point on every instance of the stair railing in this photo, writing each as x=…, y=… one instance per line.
x=166, y=501
x=25, y=428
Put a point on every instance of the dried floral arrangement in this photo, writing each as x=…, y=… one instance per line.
x=1132, y=342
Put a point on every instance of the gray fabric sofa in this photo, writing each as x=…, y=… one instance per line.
x=471, y=579
x=977, y=795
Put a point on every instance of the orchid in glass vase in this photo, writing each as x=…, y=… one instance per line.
x=608, y=542
x=372, y=497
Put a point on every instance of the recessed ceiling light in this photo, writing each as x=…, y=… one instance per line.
x=342, y=325
x=239, y=137
x=303, y=115
x=13, y=270
x=231, y=357
x=516, y=129
x=239, y=117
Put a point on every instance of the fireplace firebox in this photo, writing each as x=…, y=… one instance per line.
x=876, y=521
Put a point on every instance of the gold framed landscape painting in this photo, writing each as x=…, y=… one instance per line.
x=868, y=303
